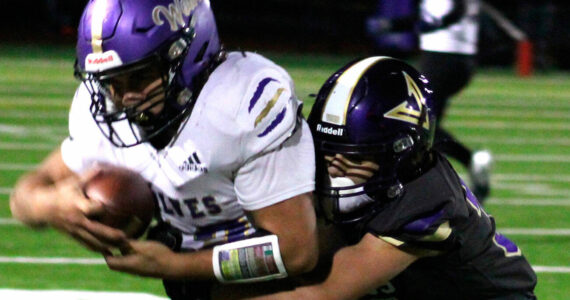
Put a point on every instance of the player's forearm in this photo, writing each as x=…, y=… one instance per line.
x=29, y=201
x=194, y=266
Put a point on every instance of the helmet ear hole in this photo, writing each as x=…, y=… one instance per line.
x=403, y=144
x=201, y=53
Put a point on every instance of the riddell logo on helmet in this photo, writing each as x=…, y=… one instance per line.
x=102, y=60
x=96, y=62
x=330, y=130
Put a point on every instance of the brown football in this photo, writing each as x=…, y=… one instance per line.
x=125, y=195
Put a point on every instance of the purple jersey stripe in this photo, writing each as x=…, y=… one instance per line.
x=505, y=242
x=274, y=124
x=259, y=91
x=469, y=195
x=423, y=224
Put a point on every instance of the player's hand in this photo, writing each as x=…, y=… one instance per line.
x=69, y=211
x=144, y=258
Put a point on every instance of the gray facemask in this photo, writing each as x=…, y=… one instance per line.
x=358, y=198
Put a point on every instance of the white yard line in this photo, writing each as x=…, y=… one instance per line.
x=18, y=294
x=538, y=189
x=536, y=231
x=521, y=101
x=549, y=269
x=34, y=114
x=510, y=113
x=20, y=131
x=17, y=167
x=5, y=190
x=51, y=260
x=27, y=146
x=9, y=221
x=526, y=177
x=526, y=126
x=23, y=102
x=472, y=139
x=531, y=177
x=528, y=202
x=100, y=261
x=533, y=158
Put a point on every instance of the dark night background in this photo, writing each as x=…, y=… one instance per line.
x=322, y=26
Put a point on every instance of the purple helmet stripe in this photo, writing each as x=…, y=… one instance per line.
x=274, y=124
x=259, y=91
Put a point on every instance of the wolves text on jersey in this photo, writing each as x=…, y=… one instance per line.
x=195, y=207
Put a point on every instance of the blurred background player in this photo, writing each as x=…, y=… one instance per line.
x=414, y=229
x=217, y=134
x=448, y=36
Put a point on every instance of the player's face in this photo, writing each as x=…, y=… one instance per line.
x=358, y=169
x=143, y=89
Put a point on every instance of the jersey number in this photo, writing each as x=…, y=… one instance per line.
x=500, y=240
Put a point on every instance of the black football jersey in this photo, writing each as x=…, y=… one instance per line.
x=467, y=258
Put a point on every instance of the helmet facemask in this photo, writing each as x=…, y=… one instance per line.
x=343, y=200
x=156, y=116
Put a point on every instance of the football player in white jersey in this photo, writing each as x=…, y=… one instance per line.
x=448, y=32
x=218, y=135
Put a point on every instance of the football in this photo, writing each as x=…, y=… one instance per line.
x=127, y=199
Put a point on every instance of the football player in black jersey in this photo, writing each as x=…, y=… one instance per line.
x=413, y=228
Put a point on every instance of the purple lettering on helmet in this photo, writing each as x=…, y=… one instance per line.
x=260, y=88
x=274, y=123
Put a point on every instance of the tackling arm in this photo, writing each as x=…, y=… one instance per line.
x=356, y=270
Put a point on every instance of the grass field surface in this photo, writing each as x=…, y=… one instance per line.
x=523, y=121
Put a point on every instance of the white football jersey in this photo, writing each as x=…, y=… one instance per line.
x=243, y=147
x=460, y=37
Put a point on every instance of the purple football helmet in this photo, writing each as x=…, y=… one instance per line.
x=375, y=109
x=119, y=41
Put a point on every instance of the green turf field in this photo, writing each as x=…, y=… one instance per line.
x=523, y=121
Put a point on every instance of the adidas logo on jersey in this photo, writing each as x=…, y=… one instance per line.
x=193, y=163
x=330, y=130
